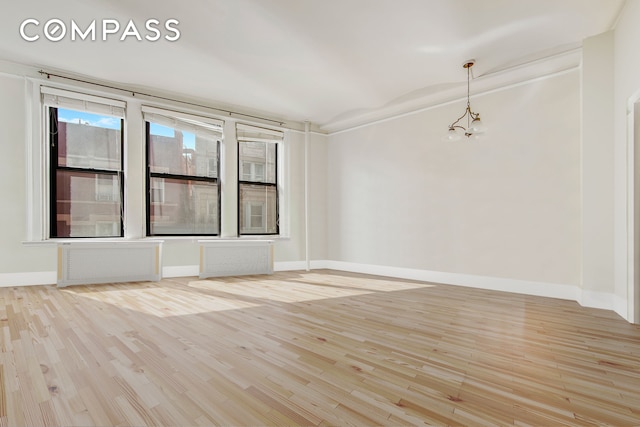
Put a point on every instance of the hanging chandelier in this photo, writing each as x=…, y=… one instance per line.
x=474, y=127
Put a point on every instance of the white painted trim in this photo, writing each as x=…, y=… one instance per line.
x=600, y=300
x=284, y=185
x=104, y=241
x=441, y=103
x=620, y=307
x=553, y=290
x=630, y=247
x=627, y=308
x=180, y=271
x=616, y=20
x=151, y=97
x=593, y=299
x=194, y=270
x=300, y=265
x=306, y=198
x=36, y=157
x=249, y=241
x=171, y=114
x=80, y=96
x=495, y=81
x=8, y=280
x=319, y=264
x=289, y=266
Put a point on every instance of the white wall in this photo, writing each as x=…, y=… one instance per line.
x=507, y=206
x=293, y=249
x=318, y=150
x=14, y=256
x=627, y=86
x=598, y=166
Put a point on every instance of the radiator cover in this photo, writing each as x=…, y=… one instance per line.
x=108, y=262
x=235, y=258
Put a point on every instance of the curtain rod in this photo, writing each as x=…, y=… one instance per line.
x=134, y=93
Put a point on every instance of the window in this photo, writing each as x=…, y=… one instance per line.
x=183, y=193
x=258, y=180
x=86, y=179
x=82, y=185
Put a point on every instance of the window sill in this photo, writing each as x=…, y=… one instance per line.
x=95, y=240
x=160, y=239
x=230, y=239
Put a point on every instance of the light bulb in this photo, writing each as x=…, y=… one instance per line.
x=476, y=126
x=452, y=135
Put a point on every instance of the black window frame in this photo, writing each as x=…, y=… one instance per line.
x=53, y=173
x=262, y=184
x=177, y=177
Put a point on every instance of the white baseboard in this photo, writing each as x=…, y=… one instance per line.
x=180, y=271
x=289, y=266
x=194, y=270
x=621, y=307
x=552, y=290
x=595, y=299
x=299, y=265
x=319, y=264
x=8, y=280
x=586, y=298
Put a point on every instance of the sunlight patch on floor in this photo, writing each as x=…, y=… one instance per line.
x=275, y=290
x=305, y=287
x=235, y=293
x=164, y=302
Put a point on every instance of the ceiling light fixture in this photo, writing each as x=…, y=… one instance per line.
x=474, y=128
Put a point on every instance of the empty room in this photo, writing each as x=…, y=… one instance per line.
x=320, y=213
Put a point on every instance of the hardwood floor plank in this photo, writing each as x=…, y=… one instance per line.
x=100, y=413
x=310, y=348
x=3, y=392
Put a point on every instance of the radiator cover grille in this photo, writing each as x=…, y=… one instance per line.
x=235, y=258
x=90, y=263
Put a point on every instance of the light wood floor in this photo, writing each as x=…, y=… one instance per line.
x=319, y=348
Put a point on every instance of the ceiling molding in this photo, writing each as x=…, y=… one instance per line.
x=484, y=84
x=75, y=82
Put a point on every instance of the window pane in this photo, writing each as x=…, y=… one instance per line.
x=257, y=161
x=157, y=190
x=89, y=141
x=183, y=207
x=258, y=209
x=177, y=152
x=257, y=215
x=87, y=204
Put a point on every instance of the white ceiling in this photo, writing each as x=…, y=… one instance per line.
x=316, y=60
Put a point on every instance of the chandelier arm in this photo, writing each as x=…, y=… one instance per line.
x=467, y=111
